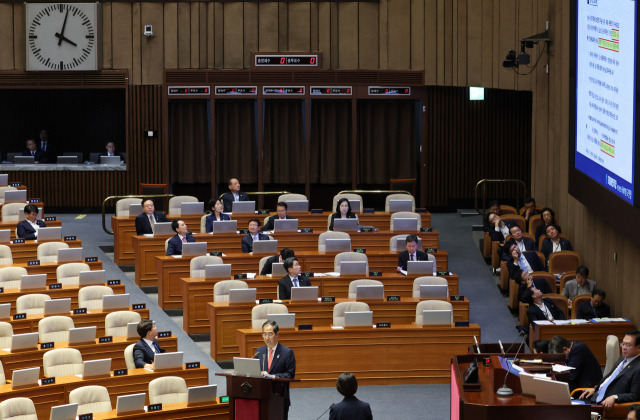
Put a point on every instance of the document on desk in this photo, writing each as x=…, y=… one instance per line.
x=543, y=322
x=610, y=320
x=332, y=274
x=251, y=275
x=561, y=368
x=562, y=322
x=403, y=272
x=579, y=321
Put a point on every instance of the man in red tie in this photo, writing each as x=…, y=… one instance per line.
x=276, y=360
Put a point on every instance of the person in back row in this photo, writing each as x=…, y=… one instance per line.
x=216, y=206
x=343, y=211
x=580, y=285
x=145, y=221
x=110, y=150
x=281, y=210
x=28, y=228
x=594, y=307
x=528, y=211
x=234, y=194
x=586, y=370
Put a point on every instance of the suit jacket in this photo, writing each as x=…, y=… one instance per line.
x=271, y=224
x=571, y=288
x=497, y=235
x=267, y=268
x=142, y=222
x=26, y=231
x=529, y=245
x=247, y=242
x=142, y=354
x=334, y=215
x=540, y=284
x=351, y=408
x=285, y=284
x=282, y=366
x=547, y=247
x=526, y=221
x=626, y=385
x=50, y=155
x=535, y=314
x=403, y=258
x=586, y=311
x=174, y=247
x=514, y=268
x=227, y=199
x=212, y=218
x=39, y=157
x=587, y=372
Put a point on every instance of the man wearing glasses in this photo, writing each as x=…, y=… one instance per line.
x=276, y=360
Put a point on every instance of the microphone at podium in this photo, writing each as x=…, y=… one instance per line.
x=504, y=390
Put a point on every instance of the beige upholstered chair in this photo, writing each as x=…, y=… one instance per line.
x=196, y=266
x=115, y=323
x=166, y=244
x=175, y=203
x=427, y=280
x=203, y=223
x=48, y=251
x=322, y=239
x=405, y=215
x=91, y=399
x=221, y=289
x=90, y=297
x=340, y=308
x=6, y=332
x=3, y=380
x=2, y=191
x=11, y=212
x=259, y=313
x=349, y=256
x=349, y=197
x=69, y=273
x=353, y=286
x=32, y=303
x=262, y=262
x=432, y=305
x=10, y=277
x=18, y=408
x=54, y=328
x=168, y=389
x=393, y=242
x=287, y=197
x=122, y=206
x=128, y=357
x=6, y=258
x=612, y=351
x=62, y=362
x=399, y=197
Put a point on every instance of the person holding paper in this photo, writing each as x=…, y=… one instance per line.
x=216, y=215
x=182, y=236
x=146, y=220
x=350, y=408
x=28, y=228
x=145, y=350
x=281, y=209
x=540, y=309
x=234, y=194
x=586, y=370
x=292, y=279
x=411, y=253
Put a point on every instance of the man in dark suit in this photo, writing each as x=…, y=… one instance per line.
x=292, y=279
x=281, y=209
x=276, y=360
x=145, y=350
x=148, y=216
x=528, y=211
x=234, y=194
x=520, y=267
x=524, y=244
x=285, y=253
x=594, y=308
x=174, y=247
x=494, y=207
x=111, y=151
x=33, y=150
x=586, y=370
x=28, y=228
x=540, y=309
x=254, y=234
x=350, y=408
x=411, y=253
x=622, y=384
x=49, y=154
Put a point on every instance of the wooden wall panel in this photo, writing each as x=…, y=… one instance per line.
x=170, y=35
x=136, y=45
x=299, y=25
x=6, y=33
x=194, y=41
x=267, y=35
x=184, y=35
x=417, y=34
x=19, y=38
x=107, y=40
x=151, y=49
x=250, y=32
x=399, y=34
x=233, y=35
x=431, y=43
x=121, y=36
x=348, y=35
x=475, y=31
x=283, y=26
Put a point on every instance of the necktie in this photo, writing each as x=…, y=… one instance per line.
x=33, y=153
x=184, y=239
x=523, y=266
x=156, y=348
x=411, y=257
x=295, y=282
x=270, y=359
x=44, y=147
x=603, y=388
x=153, y=226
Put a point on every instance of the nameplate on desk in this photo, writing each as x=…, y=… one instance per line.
x=368, y=210
x=80, y=311
x=366, y=229
x=88, y=416
x=164, y=334
x=455, y=298
x=393, y=298
x=244, y=231
x=48, y=381
x=34, y=200
x=192, y=365
x=50, y=219
x=70, y=238
x=425, y=229
x=306, y=230
x=106, y=339
x=375, y=273
x=154, y=407
x=263, y=211
x=316, y=211
x=265, y=300
x=91, y=259
x=360, y=250
x=33, y=262
x=16, y=184
x=19, y=316
x=224, y=399
x=216, y=253
x=328, y=299
x=120, y=372
x=308, y=274
x=462, y=323
x=305, y=327
x=47, y=345
x=18, y=241
x=444, y=273
x=431, y=250
x=137, y=306
x=113, y=282
x=54, y=286
x=240, y=276
x=383, y=325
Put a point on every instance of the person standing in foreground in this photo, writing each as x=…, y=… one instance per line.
x=350, y=408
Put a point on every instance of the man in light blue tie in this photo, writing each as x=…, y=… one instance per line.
x=292, y=279
x=622, y=385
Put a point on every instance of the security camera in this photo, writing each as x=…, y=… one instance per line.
x=148, y=31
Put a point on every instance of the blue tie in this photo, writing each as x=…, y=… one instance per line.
x=603, y=388
x=523, y=266
x=157, y=347
x=295, y=282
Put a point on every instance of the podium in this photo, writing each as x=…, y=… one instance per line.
x=256, y=398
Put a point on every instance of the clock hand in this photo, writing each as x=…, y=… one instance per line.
x=64, y=38
x=64, y=25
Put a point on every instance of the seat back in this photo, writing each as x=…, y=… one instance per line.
x=517, y=219
x=405, y=215
x=504, y=210
x=576, y=302
x=286, y=197
x=612, y=350
x=430, y=305
x=349, y=256
x=128, y=357
x=563, y=261
x=569, y=275
x=353, y=286
x=561, y=302
x=18, y=408
x=62, y=362
x=3, y=380
x=10, y=277
x=6, y=258
x=6, y=332
x=11, y=211
x=48, y=251
x=348, y=196
x=196, y=266
x=122, y=206
x=54, y=328
x=91, y=399
x=534, y=222
x=32, y=303
x=2, y=191
x=262, y=262
x=115, y=323
x=203, y=223
x=397, y=196
x=259, y=313
x=433, y=280
x=340, y=308
x=322, y=239
x=221, y=289
x=175, y=203
x=90, y=297
x=168, y=389
x=69, y=273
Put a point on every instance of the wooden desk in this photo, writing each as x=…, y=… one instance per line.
x=170, y=269
x=224, y=319
x=92, y=351
x=594, y=335
x=49, y=268
x=402, y=354
x=146, y=248
x=175, y=411
x=28, y=251
x=124, y=228
x=13, y=225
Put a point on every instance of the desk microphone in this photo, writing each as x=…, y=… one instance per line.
x=505, y=391
x=520, y=334
x=325, y=411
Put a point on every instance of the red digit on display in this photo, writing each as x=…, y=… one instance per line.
x=386, y=91
x=282, y=60
x=406, y=91
x=313, y=60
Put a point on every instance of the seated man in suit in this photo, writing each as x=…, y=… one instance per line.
x=28, y=228
x=281, y=209
x=580, y=285
x=276, y=360
x=146, y=220
x=494, y=207
x=528, y=211
x=586, y=370
x=145, y=350
x=524, y=244
x=254, y=234
x=285, y=253
x=540, y=308
x=595, y=307
x=33, y=150
x=292, y=279
x=622, y=384
x=520, y=267
x=174, y=247
x=234, y=194
x=411, y=253
x=111, y=150
x=350, y=408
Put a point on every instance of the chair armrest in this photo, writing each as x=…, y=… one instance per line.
x=577, y=391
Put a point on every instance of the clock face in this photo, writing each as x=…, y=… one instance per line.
x=62, y=36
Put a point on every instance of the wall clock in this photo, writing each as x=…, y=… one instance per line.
x=62, y=36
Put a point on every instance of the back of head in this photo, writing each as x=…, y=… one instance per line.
x=541, y=346
x=144, y=327
x=558, y=343
x=287, y=253
x=347, y=384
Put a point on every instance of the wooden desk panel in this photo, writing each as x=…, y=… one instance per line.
x=28, y=251
x=223, y=319
x=174, y=411
x=594, y=335
x=402, y=354
x=49, y=268
x=13, y=225
x=170, y=269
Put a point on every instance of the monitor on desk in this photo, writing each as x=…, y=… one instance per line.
x=401, y=243
x=337, y=245
x=169, y=360
x=304, y=294
x=265, y=247
x=83, y=335
x=5, y=311
x=243, y=207
x=100, y=367
x=552, y=392
x=15, y=196
x=130, y=403
x=50, y=233
x=66, y=255
x=163, y=228
x=57, y=307
x=33, y=281
x=244, y=366
x=242, y=295
x=408, y=224
x=396, y=205
x=115, y=302
x=421, y=268
x=370, y=291
x=5, y=236
x=24, y=160
x=67, y=160
x=201, y=394
x=91, y=278
x=277, y=270
x=225, y=226
x=64, y=412
x=437, y=317
x=217, y=271
x=110, y=160
x=285, y=225
x=298, y=206
x=194, y=249
x=283, y=320
x=132, y=330
x=356, y=205
x=27, y=341
x=4, y=180
x=187, y=209
x=25, y=377
x=358, y=319
x=434, y=291
x=345, y=225
x=353, y=268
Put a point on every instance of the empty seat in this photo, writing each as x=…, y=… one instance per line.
x=122, y=206
x=2, y=191
x=322, y=239
x=175, y=203
x=90, y=297
x=349, y=256
x=11, y=212
x=432, y=280
x=10, y=277
x=196, y=266
x=31, y=303
x=291, y=197
x=6, y=258
x=405, y=215
x=62, y=362
x=54, y=328
x=91, y=399
x=399, y=197
x=340, y=308
x=168, y=389
x=18, y=408
x=69, y=273
x=6, y=332
x=221, y=289
x=259, y=313
x=348, y=196
x=353, y=286
x=203, y=223
x=431, y=305
x=48, y=251
x=128, y=357
x=115, y=323
x=563, y=261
